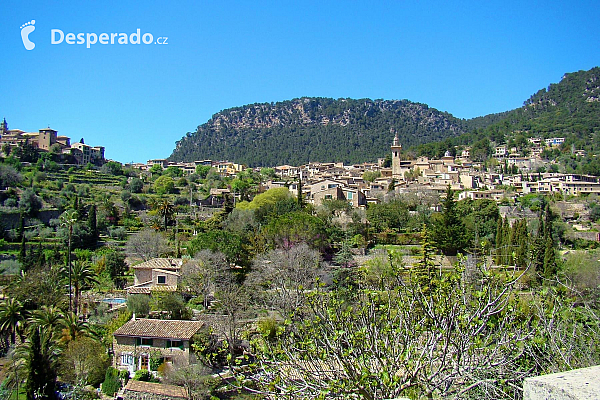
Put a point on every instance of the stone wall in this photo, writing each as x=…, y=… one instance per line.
x=578, y=384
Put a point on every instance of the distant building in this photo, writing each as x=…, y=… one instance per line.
x=557, y=141
x=396, y=149
x=46, y=138
x=87, y=154
x=160, y=274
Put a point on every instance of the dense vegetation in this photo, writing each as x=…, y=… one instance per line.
x=568, y=109
x=314, y=129
x=288, y=286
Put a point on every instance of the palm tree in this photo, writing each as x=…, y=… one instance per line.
x=72, y=327
x=82, y=277
x=37, y=361
x=12, y=318
x=166, y=210
x=68, y=219
x=48, y=316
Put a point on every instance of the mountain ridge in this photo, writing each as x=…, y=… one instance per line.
x=356, y=130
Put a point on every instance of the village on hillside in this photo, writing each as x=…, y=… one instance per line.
x=176, y=280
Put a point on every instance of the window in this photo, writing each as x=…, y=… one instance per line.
x=126, y=359
x=350, y=194
x=143, y=341
x=162, y=279
x=328, y=197
x=174, y=343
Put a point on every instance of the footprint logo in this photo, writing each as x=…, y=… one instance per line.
x=26, y=29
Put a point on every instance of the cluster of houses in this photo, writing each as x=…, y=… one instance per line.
x=47, y=140
x=336, y=181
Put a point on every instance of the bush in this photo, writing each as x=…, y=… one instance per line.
x=10, y=267
x=144, y=375
x=139, y=304
x=112, y=383
x=124, y=374
x=118, y=233
x=136, y=185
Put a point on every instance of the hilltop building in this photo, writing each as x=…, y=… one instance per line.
x=47, y=139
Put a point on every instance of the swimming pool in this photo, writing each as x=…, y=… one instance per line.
x=116, y=300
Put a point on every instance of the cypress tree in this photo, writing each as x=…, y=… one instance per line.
x=499, y=237
x=506, y=251
x=41, y=375
x=22, y=251
x=92, y=226
x=522, y=244
x=549, y=259
x=300, y=199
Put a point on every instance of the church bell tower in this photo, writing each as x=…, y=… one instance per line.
x=396, y=149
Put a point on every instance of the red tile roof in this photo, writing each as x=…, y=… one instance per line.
x=156, y=388
x=158, y=328
x=163, y=263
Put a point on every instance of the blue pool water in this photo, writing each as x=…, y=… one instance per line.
x=117, y=300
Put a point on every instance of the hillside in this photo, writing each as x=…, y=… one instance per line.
x=569, y=109
x=322, y=129
x=314, y=129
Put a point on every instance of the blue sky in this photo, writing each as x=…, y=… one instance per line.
x=468, y=58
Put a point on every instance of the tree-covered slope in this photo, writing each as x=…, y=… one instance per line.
x=322, y=129
x=569, y=109
x=314, y=129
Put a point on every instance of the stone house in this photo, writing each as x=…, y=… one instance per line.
x=156, y=274
x=148, y=343
x=355, y=197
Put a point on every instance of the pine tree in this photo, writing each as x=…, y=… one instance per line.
x=448, y=231
x=424, y=270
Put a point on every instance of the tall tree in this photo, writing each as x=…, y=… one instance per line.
x=39, y=361
x=92, y=226
x=68, y=219
x=82, y=277
x=448, y=231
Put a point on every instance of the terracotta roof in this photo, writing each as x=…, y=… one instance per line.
x=156, y=388
x=141, y=289
x=157, y=328
x=138, y=290
x=163, y=263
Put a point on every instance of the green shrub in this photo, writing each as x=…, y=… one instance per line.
x=112, y=383
x=144, y=375
x=124, y=374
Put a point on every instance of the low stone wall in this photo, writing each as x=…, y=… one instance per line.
x=578, y=384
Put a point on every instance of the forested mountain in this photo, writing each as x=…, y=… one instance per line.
x=569, y=109
x=314, y=129
x=323, y=129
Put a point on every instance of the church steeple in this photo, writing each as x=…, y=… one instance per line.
x=3, y=127
x=396, y=149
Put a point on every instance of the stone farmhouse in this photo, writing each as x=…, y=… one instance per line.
x=148, y=343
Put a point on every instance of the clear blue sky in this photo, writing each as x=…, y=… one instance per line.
x=468, y=58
